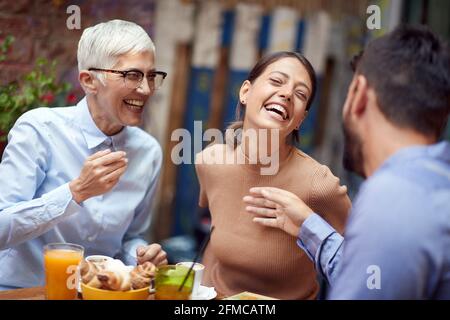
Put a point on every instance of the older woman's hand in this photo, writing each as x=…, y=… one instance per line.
x=153, y=253
x=100, y=173
x=277, y=208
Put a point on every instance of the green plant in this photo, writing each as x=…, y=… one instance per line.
x=37, y=88
x=5, y=46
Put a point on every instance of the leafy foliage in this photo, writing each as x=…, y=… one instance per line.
x=37, y=88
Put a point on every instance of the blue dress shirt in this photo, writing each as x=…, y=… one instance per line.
x=397, y=240
x=46, y=150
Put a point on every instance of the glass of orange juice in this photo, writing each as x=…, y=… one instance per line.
x=61, y=262
x=168, y=281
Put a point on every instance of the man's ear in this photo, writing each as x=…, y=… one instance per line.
x=244, y=91
x=359, y=101
x=88, y=82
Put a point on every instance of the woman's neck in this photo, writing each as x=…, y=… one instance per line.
x=260, y=144
x=101, y=119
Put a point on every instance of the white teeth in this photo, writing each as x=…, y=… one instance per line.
x=279, y=108
x=136, y=103
x=134, y=107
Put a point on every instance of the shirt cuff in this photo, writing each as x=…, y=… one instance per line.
x=59, y=202
x=313, y=232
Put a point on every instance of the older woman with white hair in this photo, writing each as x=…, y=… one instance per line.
x=85, y=174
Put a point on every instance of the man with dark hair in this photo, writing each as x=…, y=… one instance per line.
x=397, y=238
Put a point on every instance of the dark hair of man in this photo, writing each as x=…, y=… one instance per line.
x=409, y=69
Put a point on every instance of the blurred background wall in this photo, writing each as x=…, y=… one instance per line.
x=207, y=48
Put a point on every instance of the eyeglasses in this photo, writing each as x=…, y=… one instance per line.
x=133, y=78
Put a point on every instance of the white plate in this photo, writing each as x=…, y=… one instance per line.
x=205, y=293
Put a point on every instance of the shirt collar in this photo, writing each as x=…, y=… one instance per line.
x=440, y=150
x=119, y=140
x=91, y=133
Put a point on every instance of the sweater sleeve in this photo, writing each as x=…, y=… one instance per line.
x=199, y=168
x=329, y=199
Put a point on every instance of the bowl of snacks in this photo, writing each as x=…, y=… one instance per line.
x=112, y=280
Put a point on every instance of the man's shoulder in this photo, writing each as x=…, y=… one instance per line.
x=389, y=212
x=386, y=189
x=391, y=200
x=418, y=179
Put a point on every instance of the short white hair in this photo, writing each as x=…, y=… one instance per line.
x=101, y=45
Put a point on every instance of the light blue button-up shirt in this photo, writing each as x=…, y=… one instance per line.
x=397, y=240
x=46, y=150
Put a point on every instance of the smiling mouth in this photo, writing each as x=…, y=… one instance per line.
x=278, y=109
x=134, y=104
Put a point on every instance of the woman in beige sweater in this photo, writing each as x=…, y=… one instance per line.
x=243, y=255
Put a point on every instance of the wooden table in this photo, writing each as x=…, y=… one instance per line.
x=38, y=293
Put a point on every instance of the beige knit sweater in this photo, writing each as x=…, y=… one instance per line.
x=245, y=256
